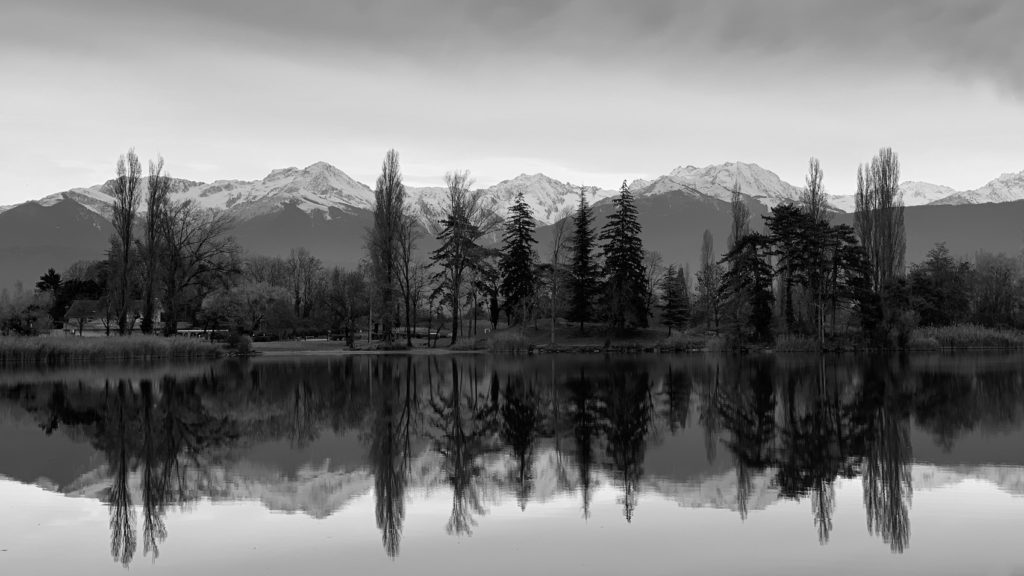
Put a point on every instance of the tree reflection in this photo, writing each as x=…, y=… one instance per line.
x=520, y=421
x=491, y=429
x=461, y=427
x=886, y=470
x=390, y=454
x=122, y=514
x=586, y=427
x=628, y=411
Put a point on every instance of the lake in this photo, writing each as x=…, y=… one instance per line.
x=648, y=464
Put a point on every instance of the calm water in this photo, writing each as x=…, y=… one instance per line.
x=473, y=465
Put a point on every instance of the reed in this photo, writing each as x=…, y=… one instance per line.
x=508, y=341
x=793, y=343
x=55, y=351
x=967, y=336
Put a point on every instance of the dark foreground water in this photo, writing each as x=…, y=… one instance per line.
x=476, y=465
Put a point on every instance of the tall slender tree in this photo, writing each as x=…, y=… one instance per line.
x=584, y=275
x=709, y=282
x=158, y=189
x=740, y=213
x=878, y=218
x=385, y=240
x=623, y=250
x=518, y=259
x=126, y=195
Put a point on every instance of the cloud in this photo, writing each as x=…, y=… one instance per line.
x=970, y=40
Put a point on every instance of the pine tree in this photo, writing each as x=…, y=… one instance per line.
x=747, y=286
x=625, y=281
x=675, y=299
x=518, y=281
x=584, y=274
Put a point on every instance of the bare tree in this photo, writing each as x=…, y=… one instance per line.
x=654, y=270
x=306, y=277
x=709, y=281
x=409, y=276
x=878, y=218
x=157, y=194
x=125, y=191
x=198, y=252
x=740, y=216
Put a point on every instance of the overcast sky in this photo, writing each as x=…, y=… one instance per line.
x=591, y=91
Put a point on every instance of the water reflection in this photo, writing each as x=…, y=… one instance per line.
x=485, y=429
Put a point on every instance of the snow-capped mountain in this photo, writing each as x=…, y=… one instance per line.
x=914, y=194
x=549, y=199
x=717, y=181
x=316, y=188
x=1007, y=188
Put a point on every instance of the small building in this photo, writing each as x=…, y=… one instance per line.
x=98, y=317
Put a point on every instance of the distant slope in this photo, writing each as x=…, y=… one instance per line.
x=965, y=229
x=34, y=237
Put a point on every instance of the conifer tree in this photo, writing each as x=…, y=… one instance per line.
x=625, y=282
x=518, y=281
x=675, y=299
x=747, y=286
x=584, y=274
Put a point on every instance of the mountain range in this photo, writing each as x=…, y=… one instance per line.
x=327, y=211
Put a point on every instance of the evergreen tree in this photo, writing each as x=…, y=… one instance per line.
x=747, y=285
x=584, y=273
x=518, y=281
x=675, y=299
x=625, y=281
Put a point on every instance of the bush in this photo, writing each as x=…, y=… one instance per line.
x=244, y=345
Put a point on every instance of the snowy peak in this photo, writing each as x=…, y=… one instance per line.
x=1007, y=188
x=718, y=180
x=549, y=199
x=914, y=194
x=317, y=188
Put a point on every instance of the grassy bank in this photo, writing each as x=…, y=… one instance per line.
x=54, y=351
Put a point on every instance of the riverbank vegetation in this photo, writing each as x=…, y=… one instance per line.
x=788, y=280
x=22, y=350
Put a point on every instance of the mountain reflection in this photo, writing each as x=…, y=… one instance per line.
x=484, y=429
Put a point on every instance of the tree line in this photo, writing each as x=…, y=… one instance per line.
x=793, y=274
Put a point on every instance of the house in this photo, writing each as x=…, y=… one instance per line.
x=98, y=317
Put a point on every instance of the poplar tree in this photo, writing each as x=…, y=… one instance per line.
x=625, y=281
x=518, y=280
x=127, y=196
x=384, y=240
x=584, y=274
